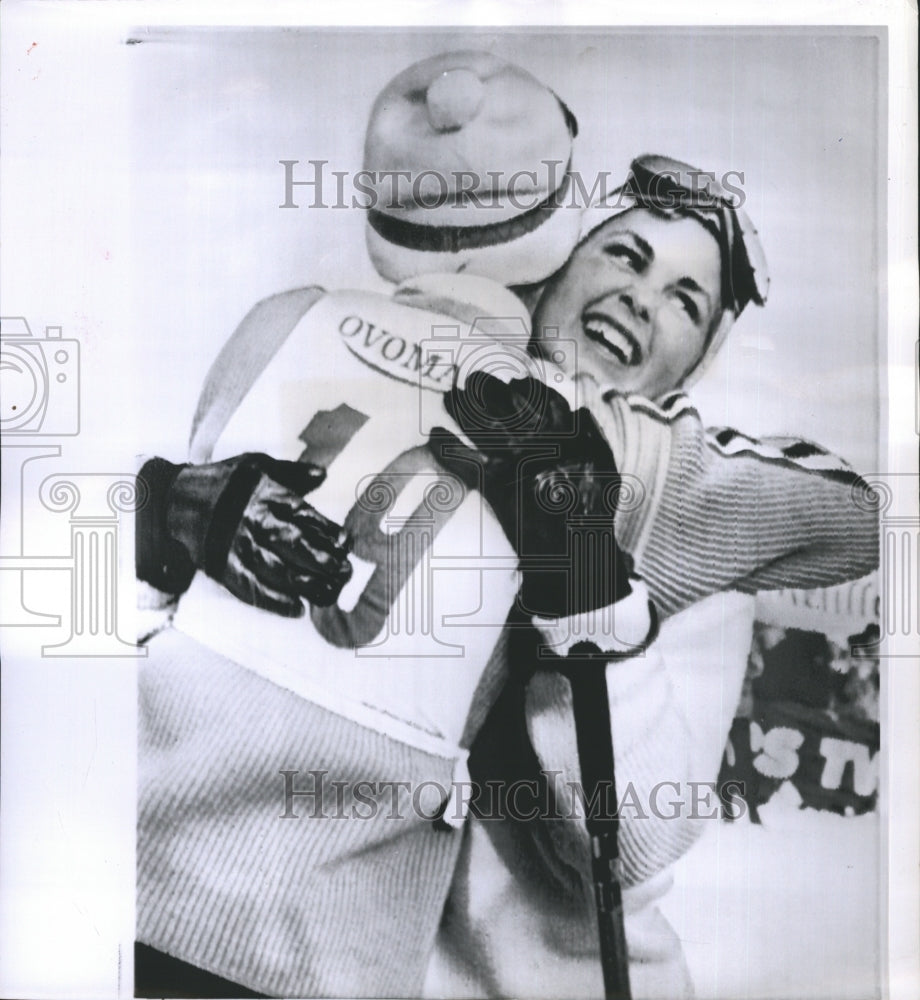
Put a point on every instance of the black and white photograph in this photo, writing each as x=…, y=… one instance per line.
x=460, y=523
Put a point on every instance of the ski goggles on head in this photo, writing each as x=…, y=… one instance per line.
x=670, y=187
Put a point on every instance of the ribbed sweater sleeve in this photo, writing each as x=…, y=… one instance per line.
x=647, y=844
x=670, y=713
x=712, y=510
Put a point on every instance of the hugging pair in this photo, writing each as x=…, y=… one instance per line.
x=381, y=442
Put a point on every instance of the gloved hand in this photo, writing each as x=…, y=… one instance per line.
x=551, y=479
x=244, y=522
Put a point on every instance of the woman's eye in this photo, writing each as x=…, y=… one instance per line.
x=624, y=255
x=689, y=306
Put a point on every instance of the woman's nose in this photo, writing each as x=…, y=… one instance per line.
x=636, y=302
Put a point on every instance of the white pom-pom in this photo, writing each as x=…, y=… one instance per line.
x=454, y=98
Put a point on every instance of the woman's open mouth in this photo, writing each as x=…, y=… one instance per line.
x=612, y=336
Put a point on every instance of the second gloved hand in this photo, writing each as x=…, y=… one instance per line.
x=551, y=479
x=245, y=523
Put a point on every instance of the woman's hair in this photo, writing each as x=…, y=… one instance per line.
x=672, y=189
x=669, y=188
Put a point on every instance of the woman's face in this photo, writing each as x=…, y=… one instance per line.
x=639, y=297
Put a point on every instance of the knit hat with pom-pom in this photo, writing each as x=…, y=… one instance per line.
x=468, y=159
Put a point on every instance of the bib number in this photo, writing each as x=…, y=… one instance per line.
x=398, y=547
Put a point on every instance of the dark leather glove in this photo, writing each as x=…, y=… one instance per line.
x=244, y=522
x=551, y=479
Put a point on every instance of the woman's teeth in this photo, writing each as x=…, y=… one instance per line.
x=608, y=333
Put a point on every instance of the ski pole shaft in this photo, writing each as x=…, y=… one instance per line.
x=591, y=708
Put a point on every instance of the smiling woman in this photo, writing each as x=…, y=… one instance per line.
x=641, y=297
x=654, y=289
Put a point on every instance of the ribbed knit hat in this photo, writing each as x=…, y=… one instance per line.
x=468, y=158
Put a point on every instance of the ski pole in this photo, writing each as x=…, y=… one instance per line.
x=588, y=681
